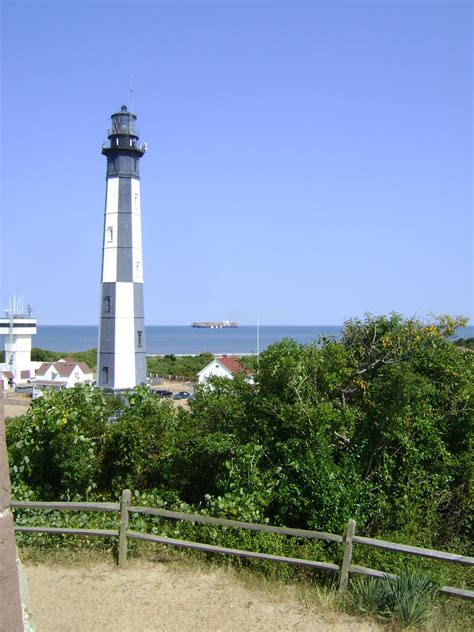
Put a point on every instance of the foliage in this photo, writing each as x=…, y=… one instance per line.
x=406, y=598
x=137, y=444
x=56, y=447
x=466, y=343
x=42, y=355
x=70, y=442
x=377, y=426
x=185, y=366
x=89, y=357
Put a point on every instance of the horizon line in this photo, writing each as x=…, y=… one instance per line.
x=168, y=325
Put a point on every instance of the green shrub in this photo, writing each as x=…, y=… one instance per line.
x=406, y=599
x=42, y=355
x=185, y=366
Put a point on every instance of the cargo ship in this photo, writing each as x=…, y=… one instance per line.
x=221, y=324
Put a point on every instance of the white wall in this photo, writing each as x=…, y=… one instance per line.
x=214, y=369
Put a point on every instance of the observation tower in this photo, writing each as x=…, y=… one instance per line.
x=18, y=328
x=121, y=358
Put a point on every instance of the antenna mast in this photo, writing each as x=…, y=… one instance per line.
x=258, y=338
x=131, y=89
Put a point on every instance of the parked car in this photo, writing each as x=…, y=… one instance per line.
x=116, y=416
x=161, y=392
x=36, y=393
x=182, y=395
x=25, y=390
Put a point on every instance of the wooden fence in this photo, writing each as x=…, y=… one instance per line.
x=347, y=541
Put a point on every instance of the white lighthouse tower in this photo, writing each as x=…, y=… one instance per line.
x=121, y=361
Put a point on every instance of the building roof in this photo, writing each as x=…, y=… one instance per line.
x=8, y=374
x=233, y=365
x=230, y=364
x=82, y=365
x=64, y=368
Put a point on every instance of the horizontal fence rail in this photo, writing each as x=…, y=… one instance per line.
x=414, y=550
x=299, y=533
x=104, y=533
x=124, y=509
x=66, y=506
x=211, y=548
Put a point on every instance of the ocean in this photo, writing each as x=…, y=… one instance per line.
x=184, y=340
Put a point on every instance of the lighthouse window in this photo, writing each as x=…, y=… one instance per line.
x=135, y=165
x=139, y=335
x=105, y=374
x=110, y=234
x=107, y=304
x=136, y=199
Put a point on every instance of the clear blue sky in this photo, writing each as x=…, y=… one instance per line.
x=307, y=162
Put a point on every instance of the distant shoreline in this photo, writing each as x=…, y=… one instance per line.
x=179, y=340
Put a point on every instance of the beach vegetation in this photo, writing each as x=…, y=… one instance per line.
x=376, y=426
x=465, y=343
x=43, y=355
x=406, y=599
x=184, y=366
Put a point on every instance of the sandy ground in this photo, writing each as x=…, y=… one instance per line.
x=175, y=387
x=149, y=596
x=15, y=410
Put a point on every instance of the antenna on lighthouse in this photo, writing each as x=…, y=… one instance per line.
x=258, y=339
x=131, y=89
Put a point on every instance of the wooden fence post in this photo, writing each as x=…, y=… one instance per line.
x=346, y=562
x=124, y=505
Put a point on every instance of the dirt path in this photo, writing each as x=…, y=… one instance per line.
x=149, y=596
x=17, y=407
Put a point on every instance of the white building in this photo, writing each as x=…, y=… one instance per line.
x=225, y=366
x=7, y=379
x=63, y=374
x=18, y=329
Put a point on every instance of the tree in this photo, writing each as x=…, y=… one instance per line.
x=376, y=426
x=56, y=447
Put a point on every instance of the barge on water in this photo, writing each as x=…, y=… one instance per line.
x=221, y=324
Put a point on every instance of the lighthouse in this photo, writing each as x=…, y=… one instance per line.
x=121, y=358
